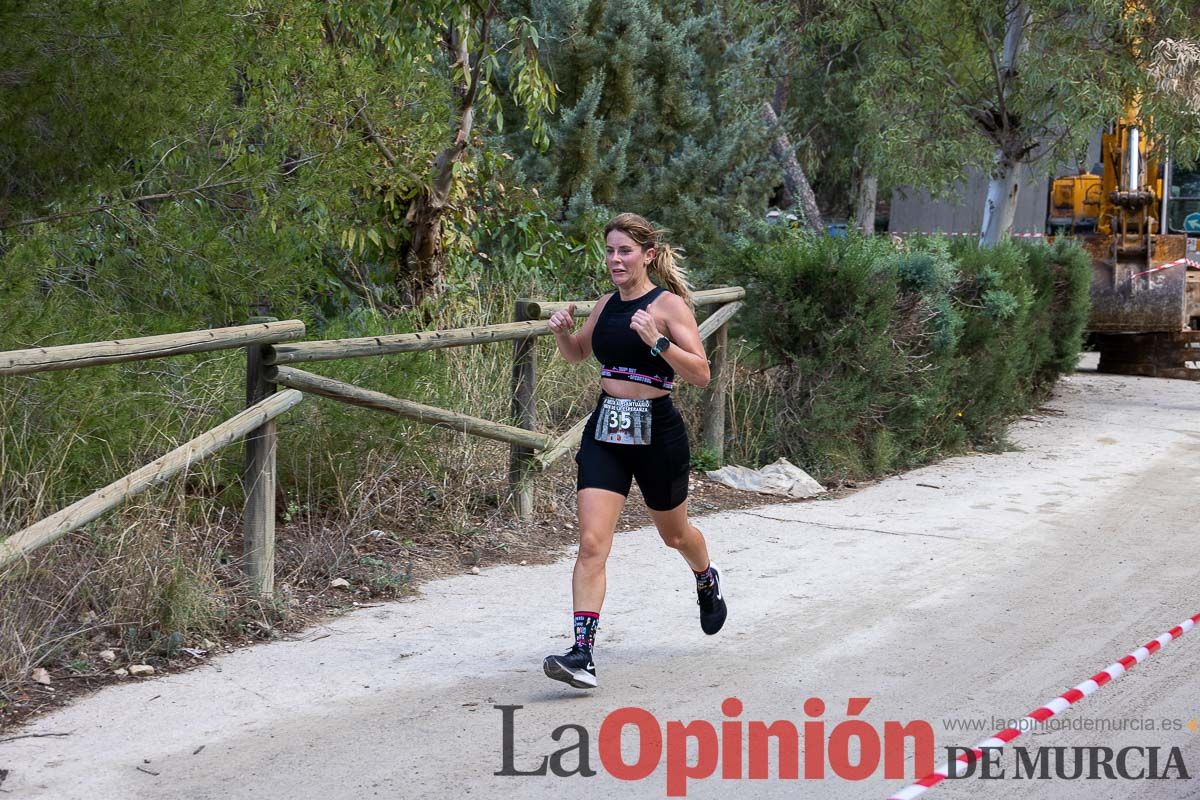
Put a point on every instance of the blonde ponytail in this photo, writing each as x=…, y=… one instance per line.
x=666, y=265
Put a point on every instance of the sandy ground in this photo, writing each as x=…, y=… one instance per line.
x=974, y=589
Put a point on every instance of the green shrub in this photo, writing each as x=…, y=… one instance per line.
x=704, y=459
x=1062, y=277
x=889, y=358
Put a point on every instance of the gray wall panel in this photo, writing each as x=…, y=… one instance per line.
x=913, y=209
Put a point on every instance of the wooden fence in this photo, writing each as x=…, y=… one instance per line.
x=270, y=346
x=255, y=425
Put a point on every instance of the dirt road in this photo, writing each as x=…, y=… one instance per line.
x=967, y=591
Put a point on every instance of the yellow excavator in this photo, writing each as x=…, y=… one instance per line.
x=1140, y=220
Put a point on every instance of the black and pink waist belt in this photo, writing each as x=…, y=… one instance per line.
x=631, y=374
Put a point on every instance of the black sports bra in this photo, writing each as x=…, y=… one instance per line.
x=621, y=352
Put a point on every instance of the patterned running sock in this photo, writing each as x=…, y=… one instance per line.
x=704, y=580
x=585, y=628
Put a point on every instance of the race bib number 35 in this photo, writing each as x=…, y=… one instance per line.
x=623, y=421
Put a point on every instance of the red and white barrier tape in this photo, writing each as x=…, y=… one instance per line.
x=1053, y=708
x=1161, y=267
x=963, y=233
x=934, y=233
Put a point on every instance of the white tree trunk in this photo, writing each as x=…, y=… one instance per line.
x=1001, y=206
x=868, y=197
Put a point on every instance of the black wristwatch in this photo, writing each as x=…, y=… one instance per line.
x=660, y=346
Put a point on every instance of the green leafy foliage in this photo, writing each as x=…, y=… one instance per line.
x=91, y=84
x=660, y=114
x=243, y=175
x=886, y=359
x=935, y=100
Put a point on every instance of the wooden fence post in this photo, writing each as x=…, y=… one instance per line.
x=524, y=413
x=258, y=478
x=713, y=423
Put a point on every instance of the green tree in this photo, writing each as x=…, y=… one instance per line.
x=1019, y=83
x=87, y=87
x=465, y=42
x=279, y=151
x=661, y=113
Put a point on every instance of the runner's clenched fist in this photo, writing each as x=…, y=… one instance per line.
x=645, y=325
x=562, y=322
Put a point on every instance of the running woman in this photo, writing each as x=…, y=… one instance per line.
x=642, y=335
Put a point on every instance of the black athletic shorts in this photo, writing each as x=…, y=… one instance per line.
x=661, y=467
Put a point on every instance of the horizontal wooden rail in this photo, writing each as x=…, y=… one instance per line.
x=536, y=309
x=333, y=349
x=404, y=342
x=366, y=398
x=71, y=356
x=717, y=319
x=258, y=416
x=571, y=439
x=562, y=445
x=96, y=504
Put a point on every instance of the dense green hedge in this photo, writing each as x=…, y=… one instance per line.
x=886, y=357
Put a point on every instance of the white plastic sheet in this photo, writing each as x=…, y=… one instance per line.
x=781, y=478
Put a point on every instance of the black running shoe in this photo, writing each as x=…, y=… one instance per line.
x=575, y=668
x=712, y=605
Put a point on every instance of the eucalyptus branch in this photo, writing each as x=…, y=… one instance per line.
x=1049, y=148
x=156, y=196
x=374, y=136
x=144, y=198
x=905, y=44
x=997, y=72
x=477, y=67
